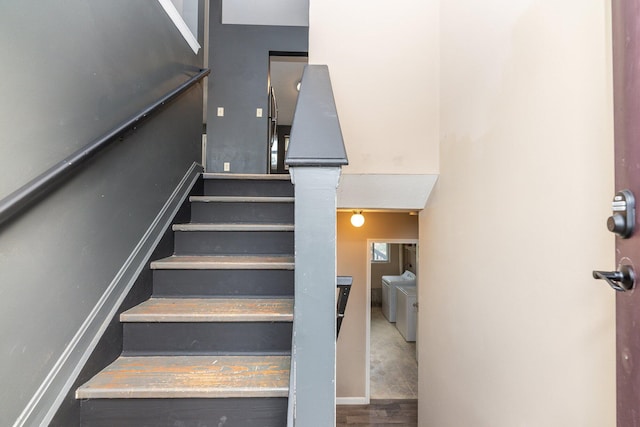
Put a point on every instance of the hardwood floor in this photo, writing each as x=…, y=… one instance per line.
x=379, y=413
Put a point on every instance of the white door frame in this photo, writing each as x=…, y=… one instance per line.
x=368, y=304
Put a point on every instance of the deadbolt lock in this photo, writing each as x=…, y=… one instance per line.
x=623, y=219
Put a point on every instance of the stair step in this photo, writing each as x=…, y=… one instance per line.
x=234, y=242
x=190, y=377
x=245, y=210
x=206, y=338
x=213, y=344
x=223, y=283
x=230, y=412
x=223, y=262
x=241, y=199
x=232, y=227
x=211, y=310
x=248, y=185
x=248, y=176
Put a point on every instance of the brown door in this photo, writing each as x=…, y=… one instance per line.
x=626, y=70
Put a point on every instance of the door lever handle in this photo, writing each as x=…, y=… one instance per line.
x=622, y=280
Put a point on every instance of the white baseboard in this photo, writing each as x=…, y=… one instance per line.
x=352, y=401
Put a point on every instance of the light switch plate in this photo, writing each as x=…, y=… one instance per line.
x=220, y=111
x=258, y=112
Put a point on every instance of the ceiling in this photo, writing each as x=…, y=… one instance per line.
x=260, y=12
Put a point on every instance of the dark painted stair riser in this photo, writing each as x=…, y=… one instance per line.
x=244, y=352
x=249, y=212
x=229, y=412
x=240, y=187
x=222, y=283
x=234, y=242
x=222, y=338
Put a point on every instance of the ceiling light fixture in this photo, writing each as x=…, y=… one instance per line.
x=298, y=86
x=357, y=219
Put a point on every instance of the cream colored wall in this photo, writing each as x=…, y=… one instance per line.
x=352, y=251
x=513, y=330
x=514, y=99
x=410, y=258
x=382, y=59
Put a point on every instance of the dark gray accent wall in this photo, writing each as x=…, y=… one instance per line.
x=69, y=72
x=239, y=62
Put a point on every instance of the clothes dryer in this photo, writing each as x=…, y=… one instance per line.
x=407, y=312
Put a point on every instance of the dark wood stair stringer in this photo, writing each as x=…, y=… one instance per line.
x=212, y=346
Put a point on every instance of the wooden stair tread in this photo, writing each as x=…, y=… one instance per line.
x=211, y=310
x=248, y=176
x=190, y=377
x=224, y=262
x=232, y=227
x=242, y=199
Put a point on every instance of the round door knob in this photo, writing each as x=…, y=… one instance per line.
x=616, y=223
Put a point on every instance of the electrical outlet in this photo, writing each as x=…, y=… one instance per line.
x=220, y=111
x=258, y=112
x=226, y=166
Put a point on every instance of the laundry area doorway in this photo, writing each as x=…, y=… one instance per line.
x=392, y=371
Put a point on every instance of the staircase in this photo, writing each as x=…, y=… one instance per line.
x=212, y=346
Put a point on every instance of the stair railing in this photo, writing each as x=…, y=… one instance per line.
x=344, y=288
x=315, y=157
x=42, y=184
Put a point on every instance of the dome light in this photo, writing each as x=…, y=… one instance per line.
x=357, y=219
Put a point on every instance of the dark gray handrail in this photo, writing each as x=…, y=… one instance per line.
x=316, y=138
x=34, y=189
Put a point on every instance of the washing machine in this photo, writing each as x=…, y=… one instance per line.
x=389, y=285
x=406, y=312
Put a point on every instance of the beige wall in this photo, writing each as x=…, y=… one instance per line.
x=410, y=258
x=513, y=330
x=382, y=58
x=514, y=99
x=352, y=261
